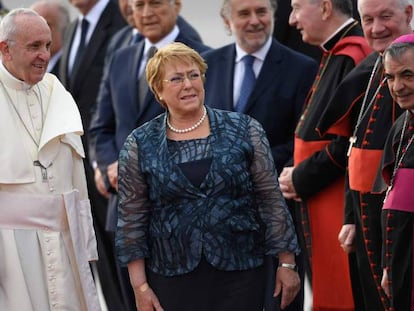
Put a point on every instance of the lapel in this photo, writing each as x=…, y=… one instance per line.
x=160, y=143
x=269, y=75
x=219, y=78
x=98, y=38
x=67, y=43
x=136, y=52
x=227, y=68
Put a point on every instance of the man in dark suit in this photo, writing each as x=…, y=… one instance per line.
x=81, y=74
x=122, y=105
x=283, y=79
x=57, y=17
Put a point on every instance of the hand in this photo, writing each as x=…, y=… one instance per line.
x=147, y=300
x=100, y=185
x=287, y=282
x=385, y=284
x=112, y=172
x=346, y=238
x=286, y=184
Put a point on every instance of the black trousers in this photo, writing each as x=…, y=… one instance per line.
x=207, y=289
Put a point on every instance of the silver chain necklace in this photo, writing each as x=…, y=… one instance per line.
x=364, y=110
x=399, y=150
x=188, y=129
x=21, y=118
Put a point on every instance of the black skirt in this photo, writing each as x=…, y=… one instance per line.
x=209, y=289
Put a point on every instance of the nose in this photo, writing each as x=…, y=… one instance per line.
x=187, y=82
x=146, y=10
x=377, y=26
x=292, y=19
x=254, y=19
x=44, y=53
x=397, y=85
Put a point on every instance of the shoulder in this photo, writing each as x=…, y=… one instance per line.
x=219, y=53
x=355, y=47
x=199, y=47
x=128, y=52
x=231, y=119
x=150, y=128
x=286, y=52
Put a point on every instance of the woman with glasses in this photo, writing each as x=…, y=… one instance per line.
x=200, y=205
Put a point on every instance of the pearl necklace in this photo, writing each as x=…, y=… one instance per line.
x=188, y=129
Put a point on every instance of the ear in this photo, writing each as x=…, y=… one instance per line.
x=326, y=6
x=177, y=6
x=5, y=50
x=409, y=12
x=227, y=24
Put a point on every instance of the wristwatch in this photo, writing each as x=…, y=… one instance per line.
x=290, y=266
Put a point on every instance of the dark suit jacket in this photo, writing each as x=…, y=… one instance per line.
x=118, y=111
x=84, y=85
x=278, y=96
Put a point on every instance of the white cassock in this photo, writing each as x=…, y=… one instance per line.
x=46, y=232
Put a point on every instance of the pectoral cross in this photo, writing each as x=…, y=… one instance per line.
x=352, y=141
x=42, y=169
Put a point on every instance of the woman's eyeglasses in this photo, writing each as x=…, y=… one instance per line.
x=179, y=79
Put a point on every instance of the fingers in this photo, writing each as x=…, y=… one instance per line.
x=385, y=283
x=288, y=294
x=99, y=183
x=346, y=238
x=287, y=283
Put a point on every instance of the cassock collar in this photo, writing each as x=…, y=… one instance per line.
x=334, y=38
x=12, y=82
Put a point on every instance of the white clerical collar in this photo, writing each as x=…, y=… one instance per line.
x=259, y=54
x=347, y=22
x=163, y=42
x=11, y=81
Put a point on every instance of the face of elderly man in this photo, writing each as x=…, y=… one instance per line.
x=26, y=54
x=384, y=20
x=155, y=18
x=251, y=21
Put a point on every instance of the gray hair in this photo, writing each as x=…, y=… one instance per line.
x=396, y=50
x=401, y=3
x=226, y=7
x=8, y=28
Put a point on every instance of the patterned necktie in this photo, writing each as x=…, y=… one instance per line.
x=142, y=82
x=81, y=47
x=248, y=82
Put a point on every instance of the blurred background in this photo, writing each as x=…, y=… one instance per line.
x=203, y=15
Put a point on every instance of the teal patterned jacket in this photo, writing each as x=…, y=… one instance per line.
x=235, y=217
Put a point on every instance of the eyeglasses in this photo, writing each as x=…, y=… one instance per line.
x=179, y=79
